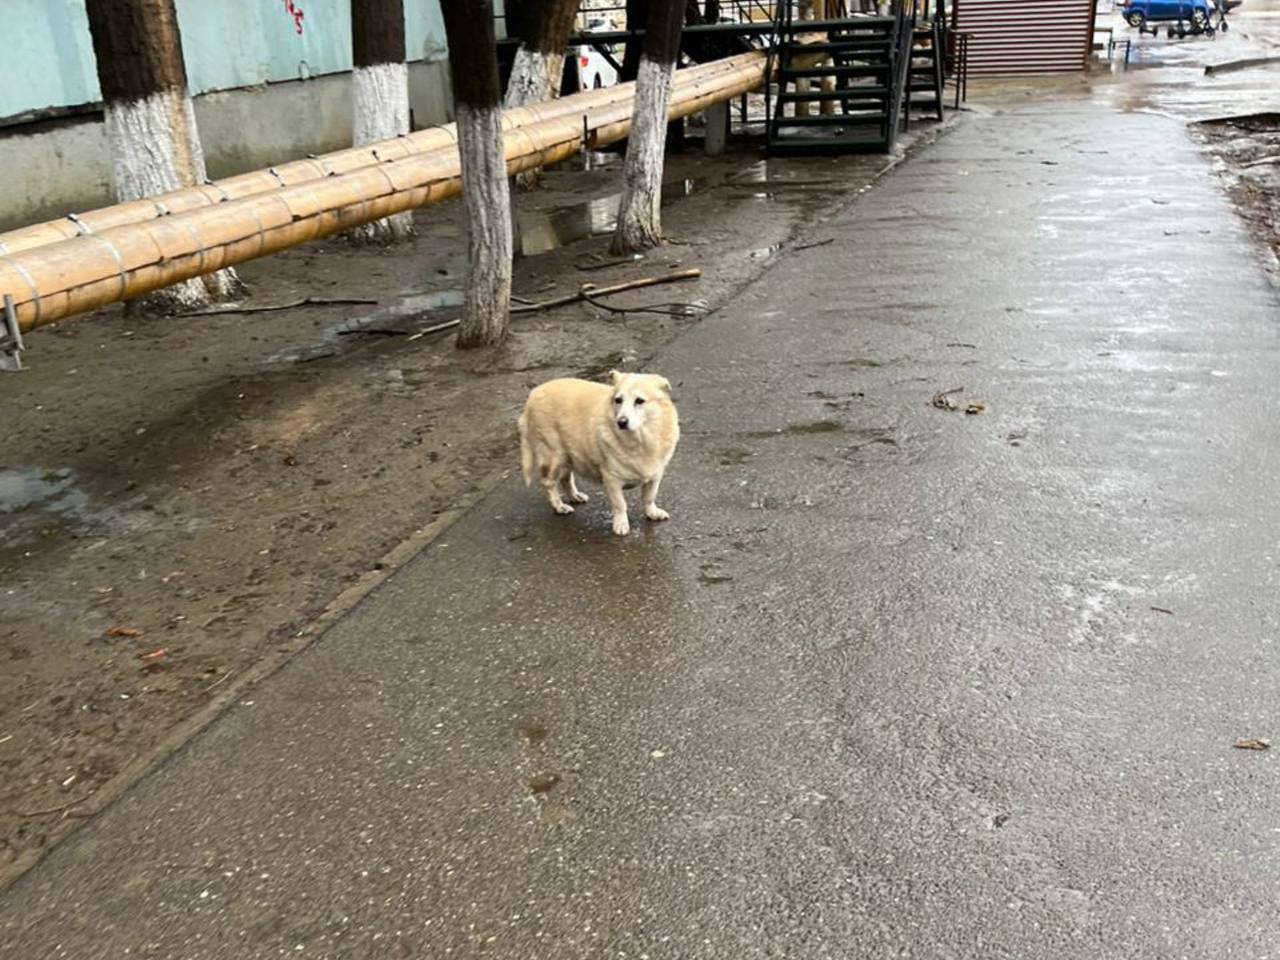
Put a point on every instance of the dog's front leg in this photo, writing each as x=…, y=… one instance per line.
x=617, y=503
x=649, y=493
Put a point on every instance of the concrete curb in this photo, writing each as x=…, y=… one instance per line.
x=239, y=684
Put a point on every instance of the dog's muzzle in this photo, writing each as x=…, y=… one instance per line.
x=622, y=423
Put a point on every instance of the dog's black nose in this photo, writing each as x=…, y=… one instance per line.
x=622, y=422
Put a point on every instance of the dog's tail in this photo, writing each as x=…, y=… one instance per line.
x=526, y=451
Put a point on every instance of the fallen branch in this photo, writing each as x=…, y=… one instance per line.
x=274, y=307
x=588, y=290
x=815, y=243
x=1259, y=163
x=670, y=309
x=587, y=294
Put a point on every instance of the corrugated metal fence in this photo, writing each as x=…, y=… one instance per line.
x=1019, y=37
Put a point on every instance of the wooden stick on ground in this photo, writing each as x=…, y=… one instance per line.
x=588, y=293
x=591, y=291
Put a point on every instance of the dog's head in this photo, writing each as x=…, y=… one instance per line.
x=637, y=398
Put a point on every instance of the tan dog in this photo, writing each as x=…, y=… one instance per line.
x=620, y=434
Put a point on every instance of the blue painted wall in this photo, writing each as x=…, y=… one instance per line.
x=48, y=59
x=227, y=44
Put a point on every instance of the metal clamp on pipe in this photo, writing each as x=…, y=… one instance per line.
x=11, y=345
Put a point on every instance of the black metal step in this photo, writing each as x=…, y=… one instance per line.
x=832, y=119
x=852, y=70
x=864, y=92
x=851, y=47
x=886, y=24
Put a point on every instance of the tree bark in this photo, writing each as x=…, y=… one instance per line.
x=473, y=63
x=543, y=27
x=639, y=212
x=150, y=123
x=380, y=82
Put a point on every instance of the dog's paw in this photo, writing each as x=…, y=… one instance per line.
x=654, y=512
x=563, y=509
x=621, y=526
x=579, y=497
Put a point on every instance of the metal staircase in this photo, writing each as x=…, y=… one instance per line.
x=928, y=73
x=840, y=83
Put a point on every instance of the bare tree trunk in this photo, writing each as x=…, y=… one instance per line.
x=640, y=210
x=380, y=81
x=150, y=124
x=543, y=27
x=473, y=63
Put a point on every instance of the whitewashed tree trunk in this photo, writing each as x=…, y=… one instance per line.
x=531, y=75
x=150, y=123
x=155, y=148
x=473, y=67
x=543, y=27
x=640, y=209
x=380, y=95
x=381, y=105
x=489, y=235
x=530, y=82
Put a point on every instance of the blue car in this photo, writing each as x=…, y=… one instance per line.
x=1190, y=16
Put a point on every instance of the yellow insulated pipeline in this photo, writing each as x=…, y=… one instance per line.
x=309, y=169
x=123, y=262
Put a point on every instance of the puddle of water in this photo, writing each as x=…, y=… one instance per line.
x=542, y=231
x=32, y=496
x=416, y=303
x=28, y=487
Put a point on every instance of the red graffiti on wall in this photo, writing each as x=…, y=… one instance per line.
x=294, y=11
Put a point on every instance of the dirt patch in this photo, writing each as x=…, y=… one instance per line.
x=180, y=497
x=1247, y=151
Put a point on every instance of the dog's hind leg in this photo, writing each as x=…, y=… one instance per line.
x=649, y=496
x=550, y=475
x=576, y=495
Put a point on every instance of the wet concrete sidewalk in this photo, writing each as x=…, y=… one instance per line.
x=894, y=681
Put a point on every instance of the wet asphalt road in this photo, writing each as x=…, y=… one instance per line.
x=890, y=683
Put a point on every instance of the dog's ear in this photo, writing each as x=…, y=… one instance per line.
x=614, y=377
x=665, y=384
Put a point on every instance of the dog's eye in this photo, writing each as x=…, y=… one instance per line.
x=639, y=400
x=617, y=399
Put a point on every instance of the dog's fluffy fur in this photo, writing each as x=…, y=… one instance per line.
x=621, y=434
